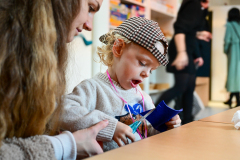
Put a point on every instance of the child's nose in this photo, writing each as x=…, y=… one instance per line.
x=145, y=74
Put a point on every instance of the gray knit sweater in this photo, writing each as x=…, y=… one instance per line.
x=94, y=100
x=33, y=148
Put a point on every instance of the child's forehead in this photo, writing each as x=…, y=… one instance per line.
x=142, y=53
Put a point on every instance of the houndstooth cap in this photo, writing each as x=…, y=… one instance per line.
x=144, y=32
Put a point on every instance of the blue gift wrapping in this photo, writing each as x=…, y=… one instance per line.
x=160, y=116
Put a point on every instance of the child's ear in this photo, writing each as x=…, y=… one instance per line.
x=117, y=48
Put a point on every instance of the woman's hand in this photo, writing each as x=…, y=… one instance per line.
x=204, y=35
x=121, y=134
x=199, y=60
x=87, y=144
x=181, y=60
x=174, y=121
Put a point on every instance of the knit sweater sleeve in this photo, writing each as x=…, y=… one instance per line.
x=32, y=148
x=80, y=111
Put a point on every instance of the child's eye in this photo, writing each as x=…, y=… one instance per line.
x=141, y=63
x=150, y=71
x=91, y=9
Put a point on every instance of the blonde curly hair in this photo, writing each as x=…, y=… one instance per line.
x=105, y=51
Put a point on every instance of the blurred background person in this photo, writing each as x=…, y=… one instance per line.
x=232, y=50
x=183, y=56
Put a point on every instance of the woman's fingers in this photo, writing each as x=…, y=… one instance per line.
x=98, y=127
x=180, y=66
x=86, y=142
x=200, y=61
x=180, y=62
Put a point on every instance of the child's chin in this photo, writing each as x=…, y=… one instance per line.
x=127, y=87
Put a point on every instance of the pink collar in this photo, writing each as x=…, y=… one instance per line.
x=127, y=104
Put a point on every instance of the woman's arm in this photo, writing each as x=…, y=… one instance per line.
x=36, y=147
x=66, y=146
x=179, y=40
x=181, y=60
x=80, y=144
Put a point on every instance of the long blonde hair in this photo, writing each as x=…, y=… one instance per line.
x=32, y=63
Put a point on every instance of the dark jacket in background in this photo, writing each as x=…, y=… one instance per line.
x=205, y=50
x=189, y=21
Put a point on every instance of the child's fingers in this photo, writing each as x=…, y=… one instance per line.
x=171, y=123
x=174, y=121
x=174, y=63
x=170, y=127
x=118, y=141
x=175, y=117
x=131, y=136
x=124, y=139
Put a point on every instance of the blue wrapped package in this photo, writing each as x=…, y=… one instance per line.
x=160, y=116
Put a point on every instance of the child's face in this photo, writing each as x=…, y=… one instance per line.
x=134, y=64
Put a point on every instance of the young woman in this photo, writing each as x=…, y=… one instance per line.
x=232, y=50
x=33, y=37
x=183, y=55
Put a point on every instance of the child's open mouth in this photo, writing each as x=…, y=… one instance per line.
x=134, y=83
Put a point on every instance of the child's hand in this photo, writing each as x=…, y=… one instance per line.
x=121, y=134
x=174, y=121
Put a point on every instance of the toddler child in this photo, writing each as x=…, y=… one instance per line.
x=131, y=52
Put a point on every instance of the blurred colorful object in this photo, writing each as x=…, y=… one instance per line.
x=120, y=12
x=86, y=42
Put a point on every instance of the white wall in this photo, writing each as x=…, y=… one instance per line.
x=218, y=2
x=79, y=61
x=234, y=2
x=223, y=2
x=81, y=64
x=100, y=27
x=219, y=59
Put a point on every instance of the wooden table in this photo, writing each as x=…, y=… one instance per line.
x=223, y=117
x=197, y=140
